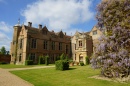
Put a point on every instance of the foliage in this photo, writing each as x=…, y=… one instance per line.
x=3, y=63
x=57, y=58
x=7, y=52
x=29, y=62
x=3, y=50
x=62, y=57
x=29, y=56
x=47, y=60
x=112, y=54
x=41, y=60
x=62, y=65
x=81, y=64
x=87, y=60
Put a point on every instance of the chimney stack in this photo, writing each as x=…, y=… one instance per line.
x=65, y=33
x=30, y=24
x=40, y=26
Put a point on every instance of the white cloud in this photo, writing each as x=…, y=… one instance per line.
x=5, y=35
x=4, y=41
x=58, y=14
x=5, y=27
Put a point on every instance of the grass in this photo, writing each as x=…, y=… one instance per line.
x=9, y=66
x=76, y=76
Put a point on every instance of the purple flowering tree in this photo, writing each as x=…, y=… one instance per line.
x=112, y=55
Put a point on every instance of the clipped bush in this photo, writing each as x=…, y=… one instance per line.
x=47, y=60
x=62, y=65
x=41, y=60
x=29, y=62
x=3, y=63
x=87, y=60
x=81, y=64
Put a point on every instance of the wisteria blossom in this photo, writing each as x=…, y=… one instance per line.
x=112, y=54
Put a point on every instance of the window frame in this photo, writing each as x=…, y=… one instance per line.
x=95, y=32
x=33, y=43
x=80, y=43
x=45, y=44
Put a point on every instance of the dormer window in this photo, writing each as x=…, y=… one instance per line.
x=95, y=32
x=44, y=32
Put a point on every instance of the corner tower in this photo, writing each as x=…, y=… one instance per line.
x=14, y=43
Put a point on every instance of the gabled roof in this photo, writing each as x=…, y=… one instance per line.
x=45, y=28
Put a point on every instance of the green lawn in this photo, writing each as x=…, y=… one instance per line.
x=77, y=76
x=8, y=66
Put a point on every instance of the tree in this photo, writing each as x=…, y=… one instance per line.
x=3, y=50
x=112, y=55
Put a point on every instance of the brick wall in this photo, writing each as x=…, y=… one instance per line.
x=5, y=58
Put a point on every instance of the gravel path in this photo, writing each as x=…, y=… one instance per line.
x=8, y=79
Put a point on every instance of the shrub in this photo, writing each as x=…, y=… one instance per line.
x=87, y=60
x=3, y=63
x=81, y=64
x=41, y=60
x=62, y=57
x=29, y=62
x=58, y=58
x=62, y=65
x=47, y=60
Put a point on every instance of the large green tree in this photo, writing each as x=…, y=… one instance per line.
x=3, y=50
x=112, y=55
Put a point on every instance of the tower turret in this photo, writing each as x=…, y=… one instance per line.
x=14, y=43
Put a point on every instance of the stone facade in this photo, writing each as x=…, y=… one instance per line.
x=83, y=44
x=34, y=42
x=95, y=33
x=30, y=43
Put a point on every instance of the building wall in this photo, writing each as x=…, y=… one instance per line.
x=80, y=52
x=95, y=37
x=14, y=43
x=27, y=33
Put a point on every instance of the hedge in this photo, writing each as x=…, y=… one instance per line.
x=81, y=64
x=29, y=62
x=62, y=65
x=87, y=60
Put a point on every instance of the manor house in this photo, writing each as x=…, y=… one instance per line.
x=32, y=42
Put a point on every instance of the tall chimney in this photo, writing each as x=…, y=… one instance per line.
x=40, y=26
x=65, y=33
x=30, y=24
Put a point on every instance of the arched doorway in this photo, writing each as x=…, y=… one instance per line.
x=80, y=58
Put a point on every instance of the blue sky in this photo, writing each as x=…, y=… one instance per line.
x=68, y=15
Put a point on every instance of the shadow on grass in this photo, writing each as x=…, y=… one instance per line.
x=72, y=68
